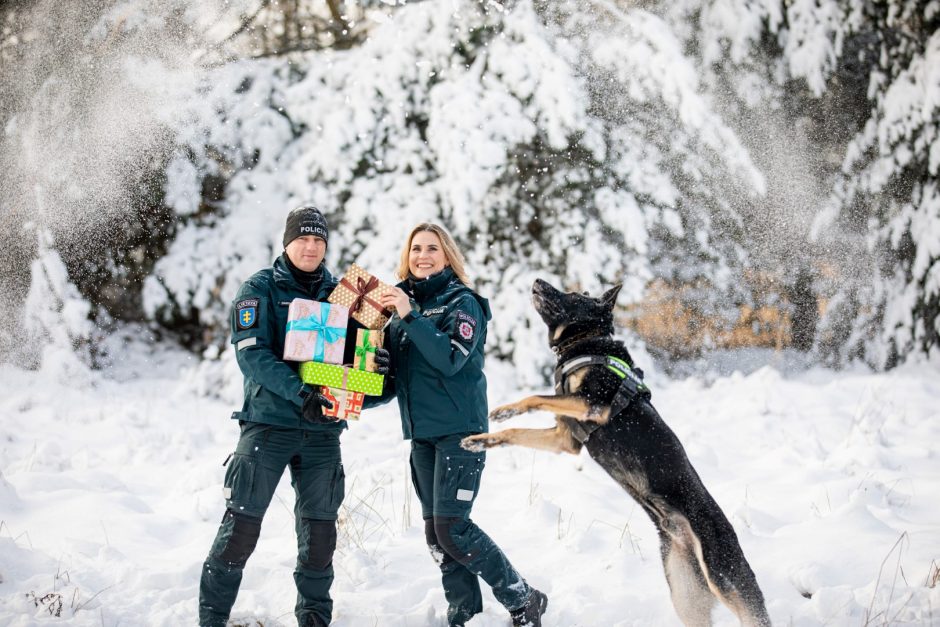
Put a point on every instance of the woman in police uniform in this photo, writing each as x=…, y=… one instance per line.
x=436, y=338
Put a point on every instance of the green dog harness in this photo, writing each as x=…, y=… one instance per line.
x=631, y=387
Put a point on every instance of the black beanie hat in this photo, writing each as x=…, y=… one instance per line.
x=305, y=220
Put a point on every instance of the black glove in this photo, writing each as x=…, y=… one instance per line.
x=312, y=409
x=382, y=360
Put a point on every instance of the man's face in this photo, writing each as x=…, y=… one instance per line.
x=306, y=252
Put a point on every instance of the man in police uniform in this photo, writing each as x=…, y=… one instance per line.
x=282, y=426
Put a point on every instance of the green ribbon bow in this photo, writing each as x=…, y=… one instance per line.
x=364, y=349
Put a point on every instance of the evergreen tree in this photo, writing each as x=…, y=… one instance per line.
x=686, y=143
x=888, y=191
x=858, y=78
x=549, y=149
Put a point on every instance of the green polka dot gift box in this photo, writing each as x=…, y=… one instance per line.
x=342, y=377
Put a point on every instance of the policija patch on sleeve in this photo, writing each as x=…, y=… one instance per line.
x=246, y=313
x=466, y=326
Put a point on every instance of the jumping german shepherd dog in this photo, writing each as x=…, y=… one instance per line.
x=602, y=404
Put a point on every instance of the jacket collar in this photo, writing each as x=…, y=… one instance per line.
x=441, y=286
x=425, y=289
x=284, y=279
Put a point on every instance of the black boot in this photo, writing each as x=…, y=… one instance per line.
x=530, y=614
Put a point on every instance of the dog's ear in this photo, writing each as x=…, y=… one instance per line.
x=609, y=299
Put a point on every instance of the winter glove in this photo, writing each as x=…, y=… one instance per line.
x=382, y=360
x=312, y=409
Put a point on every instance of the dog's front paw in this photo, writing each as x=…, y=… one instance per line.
x=478, y=443
x=504, y=413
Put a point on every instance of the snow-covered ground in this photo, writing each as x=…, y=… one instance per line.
x=110, y=496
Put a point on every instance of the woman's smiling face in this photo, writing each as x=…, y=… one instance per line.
x=427, y=255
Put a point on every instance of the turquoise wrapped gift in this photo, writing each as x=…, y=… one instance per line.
x=315, y=331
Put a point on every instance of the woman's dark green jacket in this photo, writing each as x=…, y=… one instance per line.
x=437, y=359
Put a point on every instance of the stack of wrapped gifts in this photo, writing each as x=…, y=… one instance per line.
x=316, y=337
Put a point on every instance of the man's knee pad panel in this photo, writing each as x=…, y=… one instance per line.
x=321, y=543
x=243, y=539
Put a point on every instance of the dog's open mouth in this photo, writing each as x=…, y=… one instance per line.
x=544, y=306
x=540, y=292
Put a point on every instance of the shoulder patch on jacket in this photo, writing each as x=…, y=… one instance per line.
x=246, y=313
x=465, y=330
x=465, y=317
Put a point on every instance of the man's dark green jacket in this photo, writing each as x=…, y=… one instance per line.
x=437, y=359
x=259, y=325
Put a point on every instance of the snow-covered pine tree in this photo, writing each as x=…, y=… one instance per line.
x=850, y=85
x=551, y=142
x=888, y=190
x=87, y=95
x=58, y=334
x=795, y=136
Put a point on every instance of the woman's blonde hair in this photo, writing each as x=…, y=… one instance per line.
x=451, y=253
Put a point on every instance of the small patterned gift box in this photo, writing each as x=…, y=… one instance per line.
x=360, y=291
x=342, y=377
x=367, y=340
x=347, y=405
x=315, y=331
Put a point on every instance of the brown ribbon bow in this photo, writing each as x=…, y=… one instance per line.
x=362, y=288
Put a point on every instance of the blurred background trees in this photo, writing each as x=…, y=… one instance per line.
x=756, y=174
